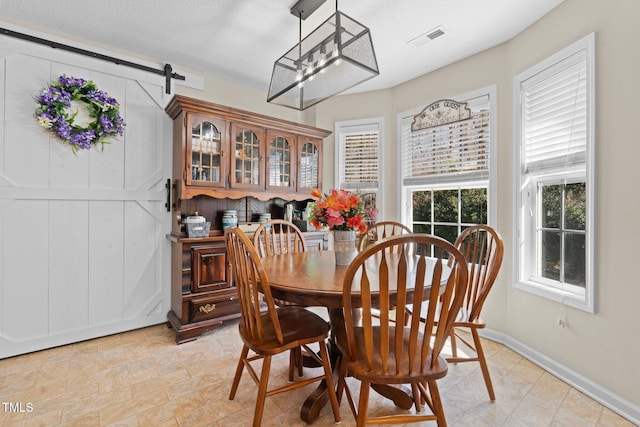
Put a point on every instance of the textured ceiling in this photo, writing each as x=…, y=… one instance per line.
x=239, y=40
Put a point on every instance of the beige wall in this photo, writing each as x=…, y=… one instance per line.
x=602, y=347
x=237, y=96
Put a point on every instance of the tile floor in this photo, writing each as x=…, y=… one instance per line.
x=142, y=378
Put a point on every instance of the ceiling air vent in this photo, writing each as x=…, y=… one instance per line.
x=424, y=38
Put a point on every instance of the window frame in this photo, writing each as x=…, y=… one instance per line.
x=459, y=223
x=527, y=206
x=353, y=126
x=405, y=191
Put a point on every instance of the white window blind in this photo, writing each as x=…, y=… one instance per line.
x=360, y=157
x=554, y=115
x=452, y=152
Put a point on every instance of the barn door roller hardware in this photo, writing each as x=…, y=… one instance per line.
x=167, y=71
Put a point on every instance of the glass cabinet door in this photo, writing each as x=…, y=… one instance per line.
x=281, y=161
x=205, y=151
x=247, y=157
x=309, y=164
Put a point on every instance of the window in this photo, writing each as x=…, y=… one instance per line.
x=446, y=212
x=358, y=150
x=554, y=131
x=447, y=170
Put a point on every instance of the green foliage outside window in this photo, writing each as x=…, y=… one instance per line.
x=563, y=220
x=474, y=205
x=445, y=213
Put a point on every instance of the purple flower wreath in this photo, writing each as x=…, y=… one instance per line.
x=55, y=113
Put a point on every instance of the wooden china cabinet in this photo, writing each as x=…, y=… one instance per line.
x=223, y=155
x=247, y=156
x=206, y=166
x=225, y=152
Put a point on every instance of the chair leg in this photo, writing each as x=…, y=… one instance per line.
x=343, y=387
x=438, y=410
x=454, y=347
x=295, y=361
x=331, y=388
x=417, y=397
x=363, y=404
x=236, y=378
x=299, y=360
x=342, y=384
x=292, y=364
x=483, y=363
x=341, y=380
x=262, y=391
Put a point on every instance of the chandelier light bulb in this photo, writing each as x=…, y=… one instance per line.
x=322, y=59
x=310, y=67
x=299, y=73
x=323, y=56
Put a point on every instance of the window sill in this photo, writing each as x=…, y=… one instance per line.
x=571, y=299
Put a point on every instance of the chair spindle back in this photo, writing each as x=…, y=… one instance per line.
x=278, y=236
x=390, y=274
x=252, y=284
x=483, y=249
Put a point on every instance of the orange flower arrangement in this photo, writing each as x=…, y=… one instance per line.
x=339, y=210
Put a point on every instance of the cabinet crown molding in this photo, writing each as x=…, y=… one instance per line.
x=181, y=103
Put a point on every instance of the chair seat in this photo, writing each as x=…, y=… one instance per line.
x=462, y=322
x=299, y=326
x=360, y=369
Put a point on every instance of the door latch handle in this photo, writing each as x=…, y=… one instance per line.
x=167, y=204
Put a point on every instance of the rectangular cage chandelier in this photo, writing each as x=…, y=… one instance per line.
x=336, y=56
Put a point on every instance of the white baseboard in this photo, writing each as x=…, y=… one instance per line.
x=606, y=397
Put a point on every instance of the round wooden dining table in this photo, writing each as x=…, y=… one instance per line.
x=313, y=279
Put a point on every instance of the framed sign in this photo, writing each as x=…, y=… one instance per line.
x=440, y=113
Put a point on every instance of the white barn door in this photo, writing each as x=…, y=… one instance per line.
x=83, y=251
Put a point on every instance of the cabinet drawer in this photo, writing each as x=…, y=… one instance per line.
x=220, y=304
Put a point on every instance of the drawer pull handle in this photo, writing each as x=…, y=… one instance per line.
x=207, y=308
x=232, y=298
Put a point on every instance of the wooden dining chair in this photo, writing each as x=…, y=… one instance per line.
x=389, y=274
x=276, y=237
x=274, y=330
x=381, y=230
x=483, y=248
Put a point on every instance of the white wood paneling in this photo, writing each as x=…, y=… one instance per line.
x=25, y=297
x=83, y=251
x=26, y=149
x=68, y=265
x=106, y=260
x=142, y=159
x=140, y=264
